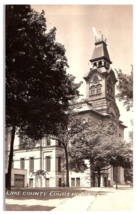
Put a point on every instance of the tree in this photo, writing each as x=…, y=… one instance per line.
x=93, y=146
x=74, y=126
x=38, y=89
x=121, y=155
x=27, y=143
x=101, y=148
x=38, y=174
x=128, y=172
x=125, y=88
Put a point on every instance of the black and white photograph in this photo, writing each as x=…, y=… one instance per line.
x=68, y=73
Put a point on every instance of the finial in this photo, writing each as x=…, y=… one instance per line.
x=98, y=37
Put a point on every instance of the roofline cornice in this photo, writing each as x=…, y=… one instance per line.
x=101, y=57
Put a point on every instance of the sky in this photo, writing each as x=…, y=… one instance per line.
x=74, y=25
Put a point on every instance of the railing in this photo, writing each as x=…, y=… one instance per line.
x=100, y=39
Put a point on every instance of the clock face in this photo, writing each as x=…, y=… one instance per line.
x=111, y=128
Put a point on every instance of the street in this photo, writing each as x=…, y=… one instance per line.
x=110, y=199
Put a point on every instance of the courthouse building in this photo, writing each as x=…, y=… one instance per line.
x=48, y=155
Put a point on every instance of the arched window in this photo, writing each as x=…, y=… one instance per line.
x=92, y=90
x=109, y=87
x=100, y=63
x=95, y=64
x=98, y=89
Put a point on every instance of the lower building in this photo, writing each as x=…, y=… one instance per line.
x=48, y=156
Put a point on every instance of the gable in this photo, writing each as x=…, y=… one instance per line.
x=94, y=78
x=113, y=109
x=111, y=74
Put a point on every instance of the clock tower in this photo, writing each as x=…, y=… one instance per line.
x=101, y=80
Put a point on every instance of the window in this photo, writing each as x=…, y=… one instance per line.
x=44, y=141
x=73, y=182
x=48, y=163
x=48, y=140
x=31, y=182
x=119, y=135
x=60, y=182
x=47, y=182
x=92, y=90
x=95, y=64
x=59, y=164
x=21, y=141
x=109, y=87
x=22, y=163
x=95, y=79
x=100, y=63
x=59, y=143
x=77, y=182
x=52, y=140
x=98, y=89
x=31, y=164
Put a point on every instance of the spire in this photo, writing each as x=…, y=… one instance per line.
x=100, y=50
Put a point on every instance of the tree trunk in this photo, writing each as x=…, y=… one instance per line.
x=67, y=167
x=90, y=173
x=8, y=177
x=116, y=178
x=94, y=179
x=99, y=175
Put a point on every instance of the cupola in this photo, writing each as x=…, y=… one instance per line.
x=100, y=56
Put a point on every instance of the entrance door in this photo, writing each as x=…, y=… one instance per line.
x=59, y=182
x=19, y=181
x=30, y=182
x=47, y=182
x=105, y=181
x=93, y=181
x=73, y=182
x=77, y=182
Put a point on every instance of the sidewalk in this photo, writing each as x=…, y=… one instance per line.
x=78, y=203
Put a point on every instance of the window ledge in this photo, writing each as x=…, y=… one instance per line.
x=95, y=94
